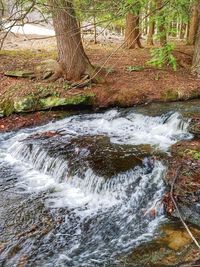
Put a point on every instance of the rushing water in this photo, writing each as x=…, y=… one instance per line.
x=80, y=191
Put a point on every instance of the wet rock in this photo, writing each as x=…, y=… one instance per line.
x=184, y=165
x=97, y=153
x=194, y=127
x=173, y=247
x=105, y=158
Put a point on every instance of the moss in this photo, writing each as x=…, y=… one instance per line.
x=44, y=91
x=25, y=104
x=54, y=101
x=6, y=107
x=195, y=93
x=171, y=95
x=195, y=154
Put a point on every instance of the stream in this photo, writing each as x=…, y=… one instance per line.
x=80, y=191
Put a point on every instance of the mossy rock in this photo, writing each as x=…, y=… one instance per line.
x=55, y=101
x=6, y=107
x=25, y=104
x=172, y=95
x=19, y=73
x=35, y=103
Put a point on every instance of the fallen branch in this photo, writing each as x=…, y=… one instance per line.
x=177, y=209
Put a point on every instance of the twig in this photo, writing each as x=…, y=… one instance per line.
x=178, y=211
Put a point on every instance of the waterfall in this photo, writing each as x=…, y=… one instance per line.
x=106, y=216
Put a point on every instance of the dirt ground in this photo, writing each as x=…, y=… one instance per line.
x=129, y=80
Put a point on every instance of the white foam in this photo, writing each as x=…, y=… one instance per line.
x=133, y=129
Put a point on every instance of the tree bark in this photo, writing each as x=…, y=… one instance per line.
x=151, y=25
x=196, y=56
x=151, y=31
x=132, y=31
x=95, y=29
x=193, y=25
x=2, y=11
x=73, y=61
x=183, y=29
x=161, y=24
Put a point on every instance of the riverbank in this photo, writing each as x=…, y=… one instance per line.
x=129, y=80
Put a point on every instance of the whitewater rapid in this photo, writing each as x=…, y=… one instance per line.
x=106, y=217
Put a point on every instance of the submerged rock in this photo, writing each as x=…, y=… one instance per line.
x=97, y=153
x=173, y=247
x=105, y=158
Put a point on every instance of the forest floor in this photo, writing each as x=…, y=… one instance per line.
x=129, y=80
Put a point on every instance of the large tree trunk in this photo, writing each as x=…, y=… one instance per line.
x=196, y=57
x=72, y=59
x=193, y=25
x=132, y=32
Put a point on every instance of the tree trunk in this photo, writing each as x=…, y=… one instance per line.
x=193, y=25
x=161, y=24
x=196, y=57
x=151, y=33
x=95, y=29
x=183, y=29
x=152, y=24
x=2, y=10
x=132, y=32
x=72, y=59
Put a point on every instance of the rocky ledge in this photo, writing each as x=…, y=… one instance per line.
x=183, y=175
